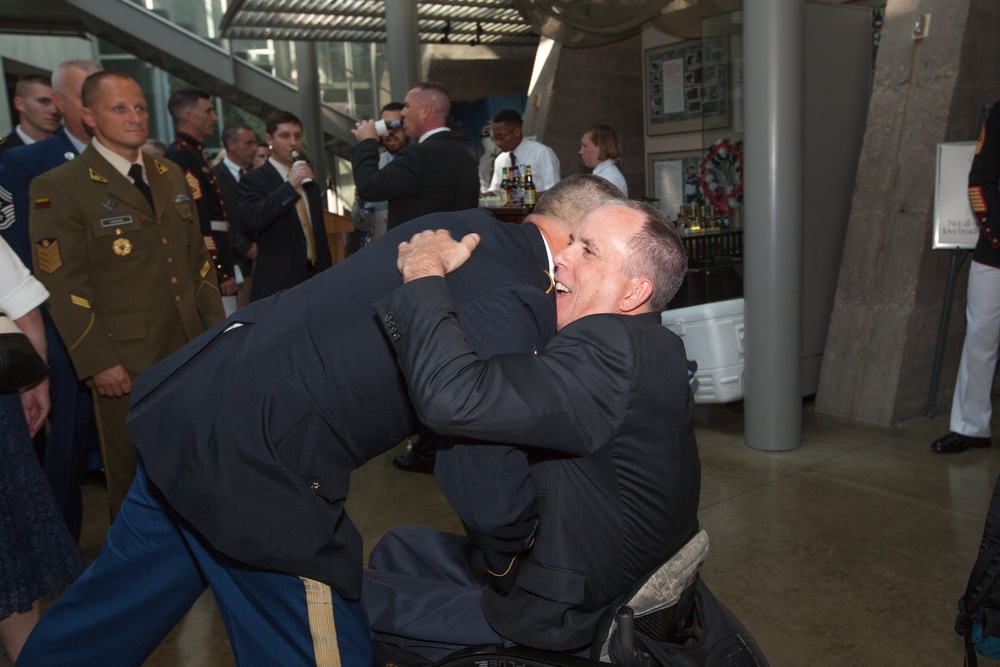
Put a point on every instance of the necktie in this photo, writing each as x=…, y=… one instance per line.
x=135, y=173
x=513, y=159
x=242, y=171
x=307, y=229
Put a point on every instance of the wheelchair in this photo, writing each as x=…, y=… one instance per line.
x=668, y=619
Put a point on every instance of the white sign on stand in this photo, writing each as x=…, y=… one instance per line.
x=954, y=223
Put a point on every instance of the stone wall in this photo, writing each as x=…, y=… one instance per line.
x=602, y=84
x=880, y=347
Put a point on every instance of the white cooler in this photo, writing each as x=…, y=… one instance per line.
x=713, y=336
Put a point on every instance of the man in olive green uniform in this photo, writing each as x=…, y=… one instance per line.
x=117, y=243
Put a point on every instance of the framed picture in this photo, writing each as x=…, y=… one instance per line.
x=686, y=86
x=673, y=180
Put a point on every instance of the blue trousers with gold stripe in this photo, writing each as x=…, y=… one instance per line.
x=152, y=569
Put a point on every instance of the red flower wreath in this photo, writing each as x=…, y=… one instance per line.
x=722, y=192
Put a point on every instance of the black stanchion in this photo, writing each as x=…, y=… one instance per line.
x=958, y=256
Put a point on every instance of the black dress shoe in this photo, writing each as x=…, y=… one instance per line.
x=953, y=443
x=414, y=462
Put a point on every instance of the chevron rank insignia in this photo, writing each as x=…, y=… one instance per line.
x=97, y=178
x=6, y=208
x=79, y=301
x=49, y=259
x=43, y=202
x=194, y=184
x=976, y=199
x=160, y=167
x=206, y=267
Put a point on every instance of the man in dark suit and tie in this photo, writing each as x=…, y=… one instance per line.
x=433, y=173
x=606, y=412
x=72, y=432
x=281, y=208
x=247, y=495
x=240, y=144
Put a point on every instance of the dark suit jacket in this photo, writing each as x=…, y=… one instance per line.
x=17, y=169
x=12, y=140
x=313, y=391
x=229, y=191
x=984, y=190
x=438, y=174
x=616, y=471
x=268, y=213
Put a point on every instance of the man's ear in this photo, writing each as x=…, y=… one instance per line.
x=640, y=289
x=19, y=104
x=88, y=117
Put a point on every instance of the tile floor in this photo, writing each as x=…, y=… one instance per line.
x=851, y=550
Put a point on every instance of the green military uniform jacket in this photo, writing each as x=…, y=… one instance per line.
x=127, y=286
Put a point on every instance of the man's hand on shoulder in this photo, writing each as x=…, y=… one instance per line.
x=433, y=253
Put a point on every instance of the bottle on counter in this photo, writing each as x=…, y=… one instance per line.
x=516, y=192
x=530, y=196
x=505, y=188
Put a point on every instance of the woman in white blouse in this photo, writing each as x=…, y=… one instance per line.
x=599, y=151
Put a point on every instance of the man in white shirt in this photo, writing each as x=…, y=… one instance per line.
x=519, y=151
x=38, y=116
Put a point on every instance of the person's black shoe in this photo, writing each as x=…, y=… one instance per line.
x=414, y=462
x=953, y=443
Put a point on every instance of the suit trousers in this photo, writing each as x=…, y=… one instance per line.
x=154, y=566
x=971, y=406
x=422, y=592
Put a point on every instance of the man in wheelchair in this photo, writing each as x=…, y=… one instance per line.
x=601, y=422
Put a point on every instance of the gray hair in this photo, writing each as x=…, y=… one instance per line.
x=88, y=67
x=571, y=199
x=655, y=252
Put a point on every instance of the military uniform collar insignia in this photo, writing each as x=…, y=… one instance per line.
x=97, y=178
x=160, y=167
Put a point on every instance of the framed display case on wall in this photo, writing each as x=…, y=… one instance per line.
x=673, y=180
x=687, y=86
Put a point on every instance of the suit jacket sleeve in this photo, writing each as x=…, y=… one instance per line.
x=399, y=178
x=984, y=179
x=261, y=207
x=569, y=398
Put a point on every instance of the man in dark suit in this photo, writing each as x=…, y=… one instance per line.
x=37, y=113
x=281, y=208
x=240, y=144
x=433, y=173
x=606, y=410
x=248, y=494
x=116, y=243
x=72, y=432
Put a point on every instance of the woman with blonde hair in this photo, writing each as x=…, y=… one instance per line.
x=599, y=151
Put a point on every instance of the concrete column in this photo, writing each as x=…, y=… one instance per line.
x=402, y=46
x=306, y=62
x=773, y=53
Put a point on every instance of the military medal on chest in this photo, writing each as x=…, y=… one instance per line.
x=121, y=246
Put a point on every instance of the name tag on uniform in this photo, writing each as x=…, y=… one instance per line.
x=114, y=222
